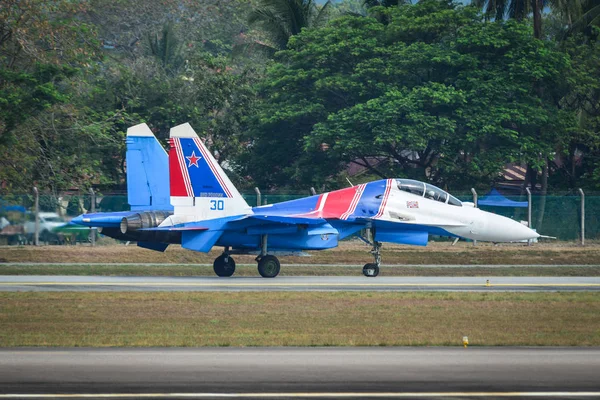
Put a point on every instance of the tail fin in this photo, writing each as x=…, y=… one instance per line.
x=147, y=171
x=199, y=186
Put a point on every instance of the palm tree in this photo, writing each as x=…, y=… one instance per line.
x=569, y=10
x=583, y=13
x=282, y=19
x=515, y=9
x=166, y=48
x=501, y=9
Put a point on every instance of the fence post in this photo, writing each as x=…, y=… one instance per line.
x=528, y=212
x=93, y=210
x=36, y=233
x=582, y=216
x=313, y=191
x=475, y=203
x=258, y=197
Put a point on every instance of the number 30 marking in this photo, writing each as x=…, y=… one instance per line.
x=217, y=205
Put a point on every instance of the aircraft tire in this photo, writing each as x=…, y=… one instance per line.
x=269, y=266
x=222, y=268
x=370, y=270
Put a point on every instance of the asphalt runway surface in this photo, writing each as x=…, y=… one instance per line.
x=288, y=372
x=296, y=283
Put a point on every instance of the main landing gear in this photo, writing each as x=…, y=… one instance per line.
x=268, y=265
x=224, y=265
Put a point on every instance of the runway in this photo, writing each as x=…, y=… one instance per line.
x=296, y=283
x=357, y=372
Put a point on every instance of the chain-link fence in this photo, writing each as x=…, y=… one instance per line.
x=561, y=215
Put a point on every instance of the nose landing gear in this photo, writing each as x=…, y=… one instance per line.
x=371, y=270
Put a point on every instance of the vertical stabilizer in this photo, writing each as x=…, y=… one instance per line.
x=199, y=186
x=147, y=171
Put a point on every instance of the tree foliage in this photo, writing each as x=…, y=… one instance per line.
x=431, y=89
x=435, y=92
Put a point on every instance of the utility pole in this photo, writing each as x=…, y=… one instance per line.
x=93, y=209
x=36, y=234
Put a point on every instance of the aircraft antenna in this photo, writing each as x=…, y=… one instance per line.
x=351, y=184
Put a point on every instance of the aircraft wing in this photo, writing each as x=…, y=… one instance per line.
x=285, y=219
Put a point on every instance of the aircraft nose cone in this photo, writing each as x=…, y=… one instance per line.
x=502, y=229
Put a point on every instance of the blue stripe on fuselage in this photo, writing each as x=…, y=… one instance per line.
x=369, y=204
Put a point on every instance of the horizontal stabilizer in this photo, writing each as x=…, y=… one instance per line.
x=156, y=246
x=200, y=241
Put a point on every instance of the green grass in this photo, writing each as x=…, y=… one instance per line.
x=291, y=270
x=298, y=319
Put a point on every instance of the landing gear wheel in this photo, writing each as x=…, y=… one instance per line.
x=224, y=265
x=268, y=266
x=370, y=270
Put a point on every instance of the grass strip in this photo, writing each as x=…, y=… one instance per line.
x=291, y=270
x=298, y=319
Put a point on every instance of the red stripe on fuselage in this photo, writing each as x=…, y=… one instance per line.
x=359, y=191
x=339, y=202
x=178, y=187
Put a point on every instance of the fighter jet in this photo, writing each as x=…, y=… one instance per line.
x=206, y=210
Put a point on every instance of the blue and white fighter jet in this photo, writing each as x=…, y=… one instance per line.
x=205, y=209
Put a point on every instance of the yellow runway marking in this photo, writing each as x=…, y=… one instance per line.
x=307, y=395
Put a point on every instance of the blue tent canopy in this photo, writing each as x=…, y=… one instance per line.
x=495, y=199
x=12, y=208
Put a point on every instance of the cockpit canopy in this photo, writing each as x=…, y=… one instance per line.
x=428, y=191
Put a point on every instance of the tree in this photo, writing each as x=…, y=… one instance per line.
x=434, y=92
x=43, y=47
x=281, y=19
x=166, y=48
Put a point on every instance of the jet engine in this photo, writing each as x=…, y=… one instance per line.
x=143, y=220
x=132, y=228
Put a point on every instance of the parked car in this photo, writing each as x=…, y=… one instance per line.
x=50, y=222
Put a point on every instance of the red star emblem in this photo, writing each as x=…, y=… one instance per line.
x=193, y=159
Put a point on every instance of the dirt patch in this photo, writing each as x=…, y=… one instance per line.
x=349, y=252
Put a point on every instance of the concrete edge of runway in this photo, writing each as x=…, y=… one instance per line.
x=295, y=283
